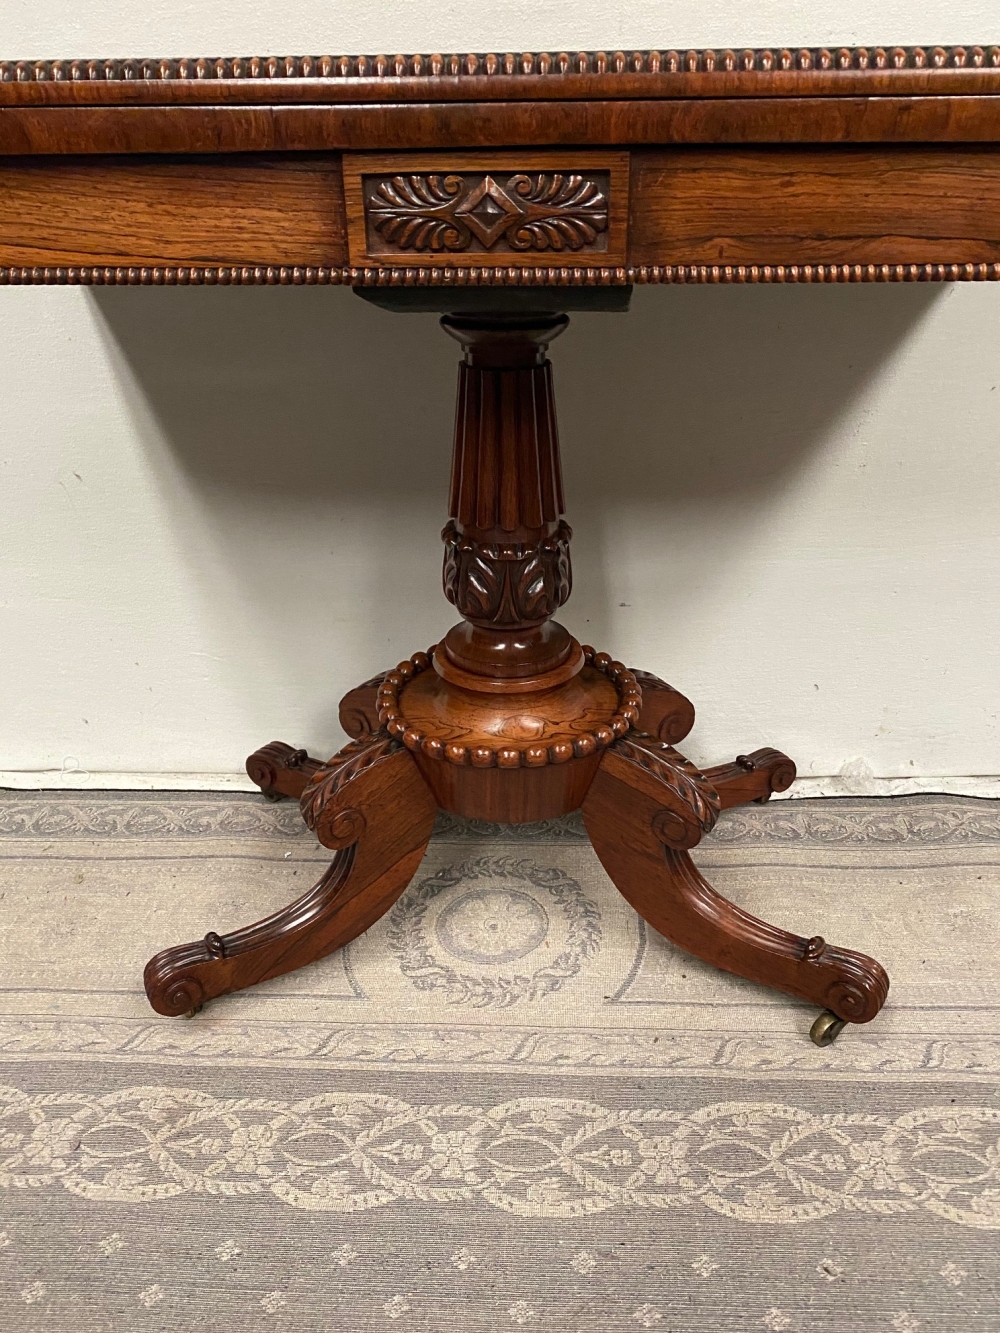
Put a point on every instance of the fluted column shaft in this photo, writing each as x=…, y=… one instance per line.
x=506, y=483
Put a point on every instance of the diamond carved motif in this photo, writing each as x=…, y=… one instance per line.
x=488, y=211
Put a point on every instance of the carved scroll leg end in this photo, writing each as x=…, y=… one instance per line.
x=856, y=986
x=280, y=770
x=752, y=777
x=181, y=979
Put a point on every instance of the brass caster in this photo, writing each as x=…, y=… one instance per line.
x=191, y=1012
x=269, y=794
x=827, y=1028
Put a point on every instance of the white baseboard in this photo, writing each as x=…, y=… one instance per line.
x=80, y=780
x=856, y=784
x=871, y=786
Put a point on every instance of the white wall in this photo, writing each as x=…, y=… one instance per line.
x=50, y=29
x=219, y=508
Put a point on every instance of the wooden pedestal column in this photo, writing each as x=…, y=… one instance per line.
x=510, y=722
x=510, y=719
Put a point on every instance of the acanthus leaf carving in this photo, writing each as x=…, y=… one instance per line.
x=507, y=584
x=483, y=591
x=533, y=591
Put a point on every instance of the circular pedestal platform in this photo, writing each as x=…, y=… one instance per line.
x=514, y=757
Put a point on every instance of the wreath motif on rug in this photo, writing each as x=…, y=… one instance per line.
x=494, y=923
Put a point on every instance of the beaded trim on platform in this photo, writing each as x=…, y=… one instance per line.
x=585, y=743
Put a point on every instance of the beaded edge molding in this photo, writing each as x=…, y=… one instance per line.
x=511, y=756
x=762, y=61
x=274, y=275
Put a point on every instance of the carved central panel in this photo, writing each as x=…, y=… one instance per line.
x=555, y=211
x=553, y=208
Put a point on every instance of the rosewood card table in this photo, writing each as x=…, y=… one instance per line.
x=505, y=192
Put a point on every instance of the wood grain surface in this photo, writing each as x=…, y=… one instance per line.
x=132, y=211
x=689, y=207
x=848, y=204
x=416, y=126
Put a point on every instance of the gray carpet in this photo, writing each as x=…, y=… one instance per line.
x=510, y=1104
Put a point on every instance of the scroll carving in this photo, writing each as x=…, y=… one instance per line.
x=697, y=802
x=513, y=211
x=666, y=713
x=335, y=825
x=281, y=770
x=508, y=584
x=359, y=711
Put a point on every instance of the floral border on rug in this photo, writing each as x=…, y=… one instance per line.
x=532, y=1157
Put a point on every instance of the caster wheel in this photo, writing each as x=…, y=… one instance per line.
x=191, y=1012
x=827, y=1028
x=269, y=794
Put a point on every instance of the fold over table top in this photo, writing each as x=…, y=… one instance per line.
x=860, y=164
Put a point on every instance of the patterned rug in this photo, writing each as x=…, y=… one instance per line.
x=509, y=1105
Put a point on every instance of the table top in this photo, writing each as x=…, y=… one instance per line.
x=575, y=169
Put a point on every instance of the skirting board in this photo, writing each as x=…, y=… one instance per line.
x=844, y=784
